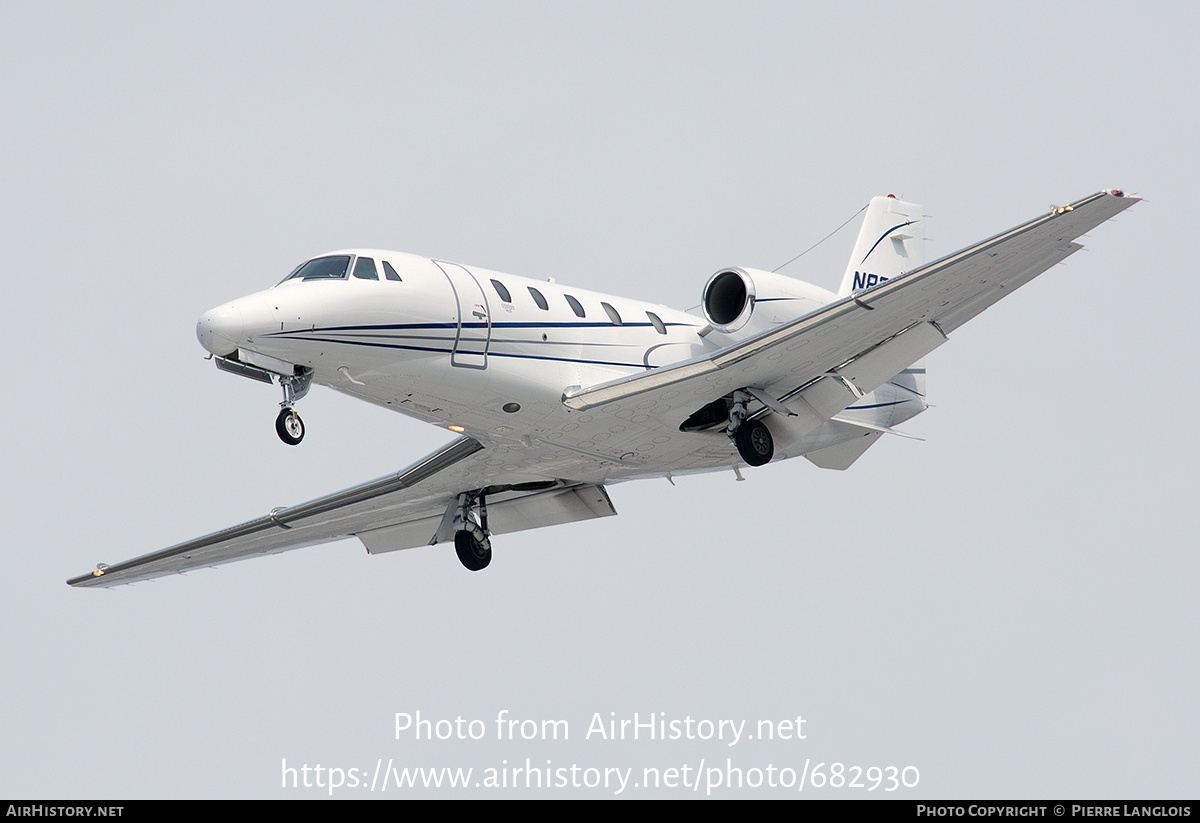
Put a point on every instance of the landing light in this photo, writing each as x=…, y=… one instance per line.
x=458, y=429
x=101, y=568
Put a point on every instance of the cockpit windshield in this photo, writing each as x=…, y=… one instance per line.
x=333, y=267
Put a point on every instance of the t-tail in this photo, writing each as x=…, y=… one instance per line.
x=891, y=242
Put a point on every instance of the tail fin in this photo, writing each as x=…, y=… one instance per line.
x=891, y=242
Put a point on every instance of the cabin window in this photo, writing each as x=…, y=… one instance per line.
x=538, y=298
x=656, y=321
x=612, y=314
x=365, y=269
x=575, y=305
x=502, y=291
x=333, y=267
x=390, y=273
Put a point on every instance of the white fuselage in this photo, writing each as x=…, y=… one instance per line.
x=481, y=352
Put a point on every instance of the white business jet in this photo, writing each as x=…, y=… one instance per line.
x=557, y=393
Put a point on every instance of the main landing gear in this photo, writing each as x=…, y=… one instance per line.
x=754, y=443
x=288, y=424
x=471, y=542
x=752, y=437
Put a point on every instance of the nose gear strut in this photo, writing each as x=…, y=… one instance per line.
x=288, y=424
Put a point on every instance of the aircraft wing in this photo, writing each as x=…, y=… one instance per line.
x=411, y=508
x=817, y=365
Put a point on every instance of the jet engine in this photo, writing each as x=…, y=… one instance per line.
x=750, y=301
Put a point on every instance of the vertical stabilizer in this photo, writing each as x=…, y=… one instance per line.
x=891, y=242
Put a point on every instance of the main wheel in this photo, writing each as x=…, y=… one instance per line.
x=289, y=427
x=754, y=443
x=471, y=553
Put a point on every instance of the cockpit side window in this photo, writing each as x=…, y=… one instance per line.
x=364, y=269
x=390, y=273
x=333, y=267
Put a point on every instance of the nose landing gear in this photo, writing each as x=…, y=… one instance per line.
x=288, y=424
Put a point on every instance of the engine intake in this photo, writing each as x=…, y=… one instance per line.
x=733, y=297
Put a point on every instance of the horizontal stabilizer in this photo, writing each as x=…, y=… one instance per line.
x=874, y=428
x=843, y=455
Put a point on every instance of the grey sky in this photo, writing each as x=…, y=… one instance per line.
x=1009, y=607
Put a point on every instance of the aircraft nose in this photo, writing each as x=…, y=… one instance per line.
x=220, y=330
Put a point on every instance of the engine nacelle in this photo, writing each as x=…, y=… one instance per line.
x=750, y=301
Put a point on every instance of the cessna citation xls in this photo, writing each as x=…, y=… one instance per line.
x=557, y=392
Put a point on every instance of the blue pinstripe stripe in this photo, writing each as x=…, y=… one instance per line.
x=880, y=240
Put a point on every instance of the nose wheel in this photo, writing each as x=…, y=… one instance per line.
x=288, y=424
x=289, y=427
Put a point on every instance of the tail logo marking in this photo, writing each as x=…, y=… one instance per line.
x=865, y=280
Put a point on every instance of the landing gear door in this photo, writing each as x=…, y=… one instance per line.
x=474, y=333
